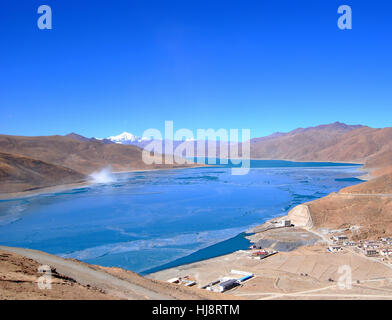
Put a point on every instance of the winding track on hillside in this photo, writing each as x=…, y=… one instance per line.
x=388, y=195
x=87, y=276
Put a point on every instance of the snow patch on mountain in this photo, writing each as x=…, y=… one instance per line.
x=126, y=138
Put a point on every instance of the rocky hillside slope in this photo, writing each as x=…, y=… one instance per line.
x=81, y=156
x=333, y=142
x=18, y=173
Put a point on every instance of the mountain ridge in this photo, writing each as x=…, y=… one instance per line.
x=21, y=173
x=44, y=155
x=336, y=142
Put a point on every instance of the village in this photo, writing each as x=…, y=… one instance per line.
x=334, y=241
x=236, y=277
x=381, y=248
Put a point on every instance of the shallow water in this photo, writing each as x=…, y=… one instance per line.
x=144, y=220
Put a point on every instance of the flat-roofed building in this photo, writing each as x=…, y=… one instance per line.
x=341, y=237
x=371, y=252
x=227, y=285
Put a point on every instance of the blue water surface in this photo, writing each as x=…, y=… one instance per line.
x=147, y=220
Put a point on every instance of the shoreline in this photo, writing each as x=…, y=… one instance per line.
x=312, y=161
x=221, y=248
x=204, y=261
x=43, y=190
x=64, y=187
x=71, y=186
x=246, y=233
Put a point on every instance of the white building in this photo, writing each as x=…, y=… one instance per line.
x=283, y=223
x=340, y=238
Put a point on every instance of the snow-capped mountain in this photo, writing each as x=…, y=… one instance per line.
x=126, y=138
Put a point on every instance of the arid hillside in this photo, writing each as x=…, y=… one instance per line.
x=76, y=280
x=380, y=185
x=370, y=213
x=300, y=144
x=19, y=281
x=367, y=205
x=82, y=156
x=29, y=163
x=18, y=173
x=333, y=142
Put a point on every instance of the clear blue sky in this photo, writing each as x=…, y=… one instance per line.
x=113, y=66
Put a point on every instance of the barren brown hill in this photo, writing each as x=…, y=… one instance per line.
x=19, y=281
x=366, y=145
x=367, y=205
x=81, y=156
x=76, y=280
x=18, y=173
x=300, y=144
x=381, y=185
x=372, y=214
x=334, y=142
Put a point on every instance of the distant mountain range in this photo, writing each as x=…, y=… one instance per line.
x=330, y=142
x=28, y=163
x=333, y=142
x=129, y=138
x=24, y=159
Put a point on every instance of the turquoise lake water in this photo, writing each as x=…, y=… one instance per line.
x=146, y=221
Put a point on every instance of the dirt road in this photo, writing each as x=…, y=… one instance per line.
x=85, y=275
x=388, y=195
